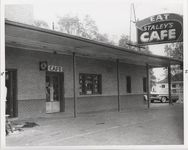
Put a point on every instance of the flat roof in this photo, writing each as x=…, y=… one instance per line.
x=30, y=37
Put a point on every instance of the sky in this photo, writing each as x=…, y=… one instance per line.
x=111, y=16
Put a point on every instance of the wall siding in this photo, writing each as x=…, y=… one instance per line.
x=31, y=81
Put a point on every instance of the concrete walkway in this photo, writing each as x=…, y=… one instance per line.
x=161, y=125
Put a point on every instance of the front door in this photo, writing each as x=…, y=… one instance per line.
x=11, y=95
x=54, y=92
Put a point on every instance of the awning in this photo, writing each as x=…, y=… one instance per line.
x=38, y=39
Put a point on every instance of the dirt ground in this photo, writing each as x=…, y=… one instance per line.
x=162, y=124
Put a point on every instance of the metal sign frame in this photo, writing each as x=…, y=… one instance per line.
x=159, y=29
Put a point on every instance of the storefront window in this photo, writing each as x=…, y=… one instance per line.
x=90, y=84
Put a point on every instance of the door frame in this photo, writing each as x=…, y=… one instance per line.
x=15, y=89
x=61, y=90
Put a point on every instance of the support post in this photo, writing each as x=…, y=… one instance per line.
x=169, y=84
x=117, y=63
x=148, y=85
x=74, y=83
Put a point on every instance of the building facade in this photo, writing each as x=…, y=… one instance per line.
x=31, y=82
x=52, y=72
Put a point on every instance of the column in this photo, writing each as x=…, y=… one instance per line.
x=74, y=83
x=148, y=85
x=169, y=84
x=117, y=63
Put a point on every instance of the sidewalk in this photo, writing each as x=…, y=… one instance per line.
x=160, y=125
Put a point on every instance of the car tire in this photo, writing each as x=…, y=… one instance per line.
x=163, y=99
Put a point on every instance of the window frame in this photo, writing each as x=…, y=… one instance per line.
x=128, y=84
x=83, y=89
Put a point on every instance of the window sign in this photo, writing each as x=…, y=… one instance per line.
x=162, y=28
x=43, y=66
x=54, y=68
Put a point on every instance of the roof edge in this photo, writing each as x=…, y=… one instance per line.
x=32, y=27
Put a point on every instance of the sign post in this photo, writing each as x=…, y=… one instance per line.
x=159, y=29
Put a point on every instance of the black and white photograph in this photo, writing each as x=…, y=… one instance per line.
x=84, y=74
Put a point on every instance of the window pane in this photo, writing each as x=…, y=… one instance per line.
x=174, y=85
x=174, y=91
x=55, y=88
x=128, y=84
x=89, y=84
x=47, y=88
x=144, y=84
x=81, y=81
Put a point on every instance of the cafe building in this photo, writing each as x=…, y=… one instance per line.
x=52, y=72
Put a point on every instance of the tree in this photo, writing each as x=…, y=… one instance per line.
x=123, y=41
x=174, y=50
x=152, y=79
x=126, y=43
x=70, y=25
x=90, y=29
x=41, y=23
x=86, y=28
x=145, y=50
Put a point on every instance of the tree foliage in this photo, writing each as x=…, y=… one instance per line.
x=175, y=50
x=152, y=79
x=41, y=23
x=86, y=28
x=70, y=25
x=123, y=41
x=126, y=43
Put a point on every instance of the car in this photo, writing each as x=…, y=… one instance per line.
x=163, y=98
x=153, y=97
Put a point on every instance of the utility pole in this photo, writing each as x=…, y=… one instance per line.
x=53, y=26
x=134, y=13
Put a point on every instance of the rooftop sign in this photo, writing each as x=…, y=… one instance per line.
x=158, y=29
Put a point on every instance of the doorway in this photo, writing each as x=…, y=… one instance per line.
x=54, y=92
x=11, y=97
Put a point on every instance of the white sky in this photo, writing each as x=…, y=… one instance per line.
x=111, y=16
